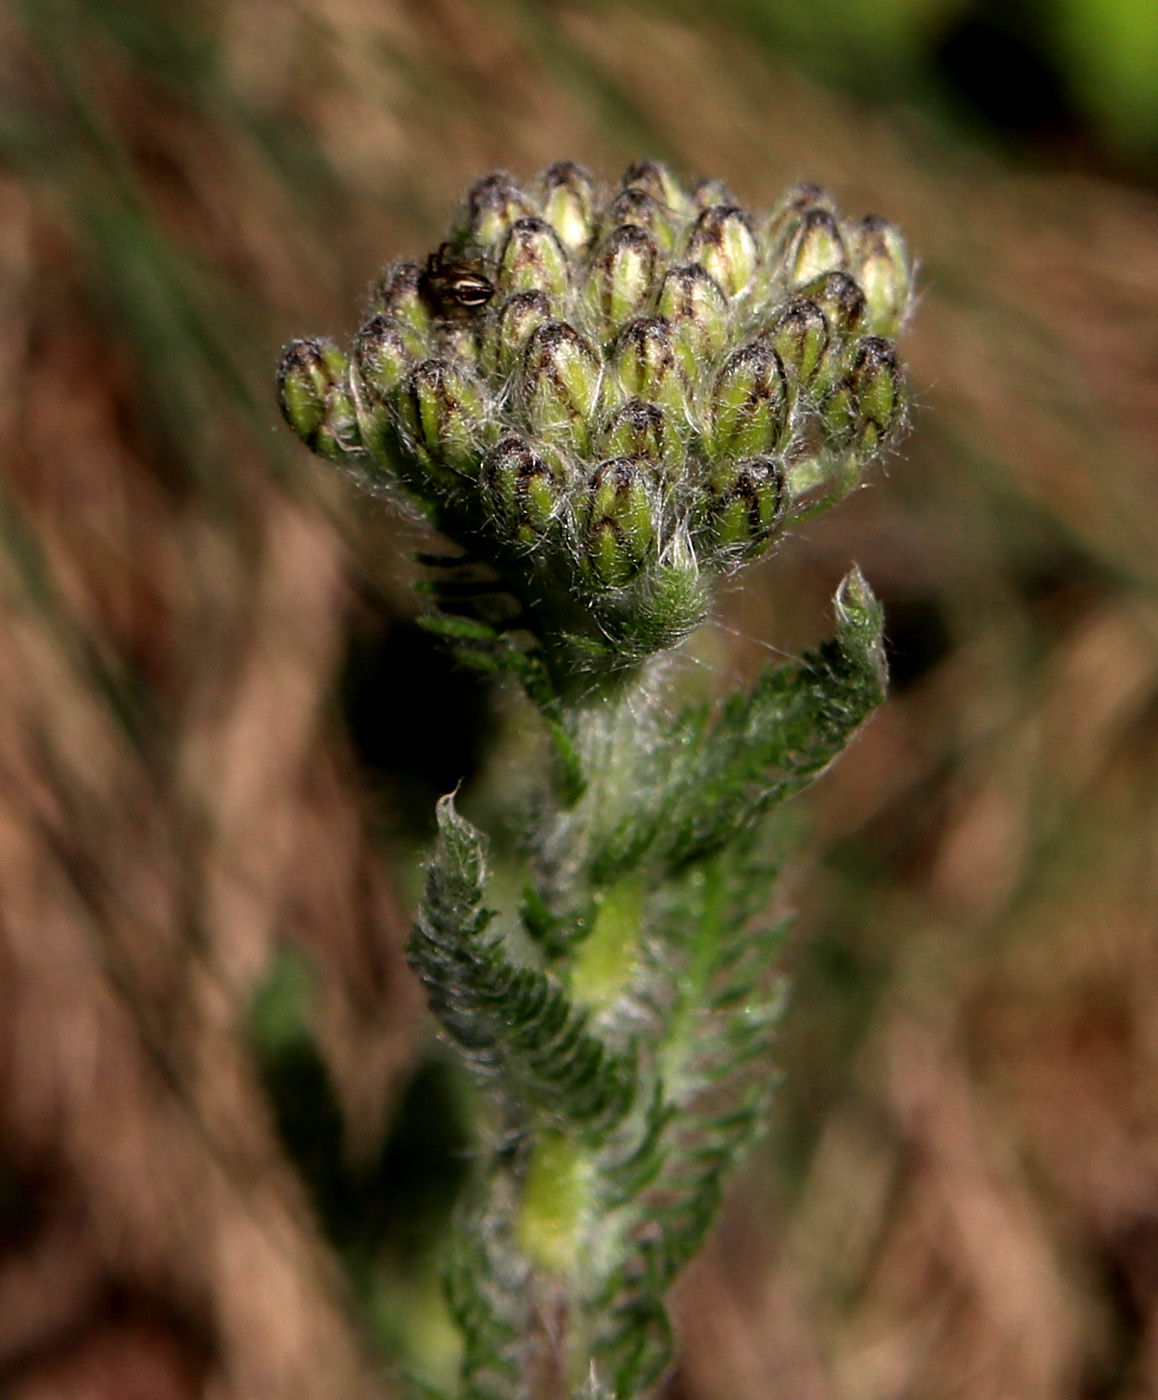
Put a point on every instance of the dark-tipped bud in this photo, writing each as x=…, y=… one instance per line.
x=443, y=411
x=381, y=359
x=533, y=259
x=697, y=312
x=559, y=384
x=644, y=430
x=508, y=333
x=618, y=522
x=746, y=502
x=492, y=206
x=868, y=404
x=656, y=180
x=705, y=193
x=621, y=277
x=785, y=220
x=880, y=260
x=567, y=198
x=723, y=243
x=817, y=247
x=523, y=490
x=799, y=335
x=636, y=206
x=399, y=296
x=315, y=398
x=750, y=403
x=644, y=366
x=841, y=301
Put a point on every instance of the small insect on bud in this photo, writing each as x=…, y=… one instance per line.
x=559, y=384
x=785, y=220
x=567, y=198
x=880, y=260
x=618, y=522
x=620, y=280
x=746, y=502
x=399, y=296
x=722, y=241
x=657, y=181
x=523, y=491
x=509, y=331
x=644, y=366
x=443, y=411
x=750, y=403
x=533, y=259
x=800, y=336
x=841, y=301
x=816, y=248
x=492, y=206
x=452, y=288
x=868, y=404
x=697, y=312
x=315, y=398
x=644, y=430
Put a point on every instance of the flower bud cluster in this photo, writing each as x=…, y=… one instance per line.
x=611, y=394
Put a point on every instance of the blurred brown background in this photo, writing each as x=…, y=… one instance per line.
x=227, y=1140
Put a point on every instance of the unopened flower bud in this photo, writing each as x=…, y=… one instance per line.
x=315, y=398
x=567, y=197
x=881, y=263
x=722, y=241
x=841, y=301
x=523, y=489
x=705, y=193
x=644, y=366
x=785, y=221
x=745, y=506
x=868, y=403
x=443, y=410
x=533, y=259
x=636, y=206
x=559, y=384
x=620, y=280
x=800, y=336
x=750, y=402
x=492, y=206
x=816, y=248
x=697, y=312
x=618, y=521
x=508, y=333
x=399, y=296
x=644, y=430
x=380, y=358
x=657, y=181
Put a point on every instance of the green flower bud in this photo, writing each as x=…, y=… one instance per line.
x=492, y=206
x=620, y=280
x=567, y=198
x=746, y=502
x=816, y=248
x=533, y=259
x=841, y=301
x=657, y=181
x=750, y=403
x=697, y=312
x=800, y=336
x=722, y=241
x=444, y=412
x=380, y=358
x=869, y=402
x=523, y=490
x=786, y=219
x=618, y=522
x=644, y=365
x=456, y=340
x=705, y=193
x=559, y=384
x=644, y=430
x=315, y=398
x=636, y=206
x=508, y=333
x=399, y=296
x=881, y=263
